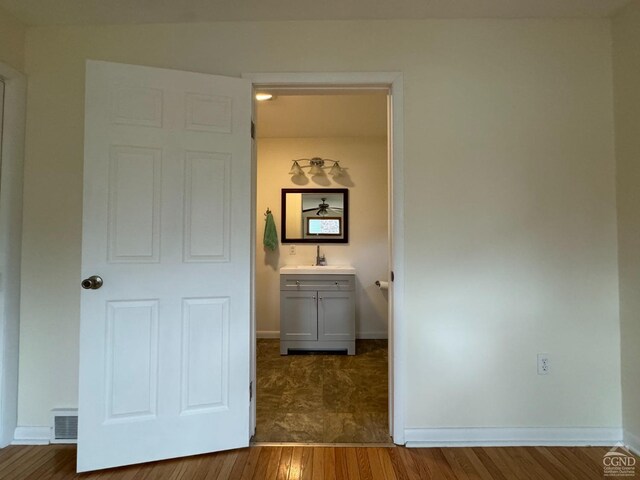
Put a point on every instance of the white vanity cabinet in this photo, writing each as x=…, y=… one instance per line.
x=317, y=312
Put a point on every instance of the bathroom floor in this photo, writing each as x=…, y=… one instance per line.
x=322, y=398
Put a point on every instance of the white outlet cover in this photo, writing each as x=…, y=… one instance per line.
x=543, y=364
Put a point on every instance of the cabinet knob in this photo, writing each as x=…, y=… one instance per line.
x=297, y=283
x=314, y=297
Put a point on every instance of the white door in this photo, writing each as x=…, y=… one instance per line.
x=164, y=343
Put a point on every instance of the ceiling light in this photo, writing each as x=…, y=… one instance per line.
x=262, y=96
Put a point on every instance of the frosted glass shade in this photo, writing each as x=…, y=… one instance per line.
x=315, y=170
x=295, y=169
x=335, y=171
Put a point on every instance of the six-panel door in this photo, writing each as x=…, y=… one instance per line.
x=164, y=343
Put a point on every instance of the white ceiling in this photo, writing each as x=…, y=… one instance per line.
x=92, y=12
x=323, y=116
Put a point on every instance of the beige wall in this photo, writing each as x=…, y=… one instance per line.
x=509, y=192
x=12, y=111
x=626, y=56
x=12, y=38
x=367, y=250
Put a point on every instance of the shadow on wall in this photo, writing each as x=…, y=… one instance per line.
x=344, y=179
x=366, y=294
x=300, y=180
x=323, y=180
x=272, y=257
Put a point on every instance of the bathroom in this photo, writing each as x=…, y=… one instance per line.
x=319, y=396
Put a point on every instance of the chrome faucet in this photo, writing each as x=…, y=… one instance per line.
x=320, y=260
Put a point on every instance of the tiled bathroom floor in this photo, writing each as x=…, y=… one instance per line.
x=322, y=398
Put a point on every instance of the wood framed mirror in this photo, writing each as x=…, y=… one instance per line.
x=315, y=215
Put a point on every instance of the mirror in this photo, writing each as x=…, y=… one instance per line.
x=315, y=215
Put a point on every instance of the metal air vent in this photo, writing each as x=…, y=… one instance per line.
x=64, y=425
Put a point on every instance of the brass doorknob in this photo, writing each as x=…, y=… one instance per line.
x=94, y=282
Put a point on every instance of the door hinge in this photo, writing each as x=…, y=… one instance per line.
x=253, y=130
x=392, y=276
x=250, y=391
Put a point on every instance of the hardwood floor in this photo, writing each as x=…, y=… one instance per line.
x=302, y=462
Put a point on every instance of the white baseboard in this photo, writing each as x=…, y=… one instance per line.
x=504, y=437
x=32, y=436
x=268, y=334
x=632, y=441
x=454, y=437
x=359, y=336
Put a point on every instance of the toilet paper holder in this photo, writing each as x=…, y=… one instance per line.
x=382, y=285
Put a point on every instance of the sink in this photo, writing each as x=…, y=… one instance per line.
x=317, y=270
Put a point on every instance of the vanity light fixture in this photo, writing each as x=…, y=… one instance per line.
x=316, y=166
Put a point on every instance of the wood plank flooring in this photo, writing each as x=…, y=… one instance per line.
x=334, y=463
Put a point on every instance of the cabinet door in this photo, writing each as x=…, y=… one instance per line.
x=298, y=316
x=336, y=316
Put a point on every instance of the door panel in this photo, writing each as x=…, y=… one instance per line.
x=336, y=311
x=134, y=204
x=205, y=354
x=299, y=316
x=164, y=343
x=207, y=207
x=132, y=360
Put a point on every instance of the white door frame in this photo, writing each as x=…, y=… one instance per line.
x=393, y=81
x=10, y=245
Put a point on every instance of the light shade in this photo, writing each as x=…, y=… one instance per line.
x=335, y=171
x=315, y=169
x=295, y=169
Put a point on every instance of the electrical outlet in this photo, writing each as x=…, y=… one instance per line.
x=543, y=364
x=292, y=249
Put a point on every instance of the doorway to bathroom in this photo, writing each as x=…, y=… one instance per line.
x=319, y=394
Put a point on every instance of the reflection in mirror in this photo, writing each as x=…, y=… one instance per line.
x=315, y=215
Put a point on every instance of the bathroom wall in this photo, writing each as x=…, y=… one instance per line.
x=12, y=40
x=365, y=159
x=626, y=62
x=509, y=192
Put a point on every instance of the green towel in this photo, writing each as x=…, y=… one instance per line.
x=270, y=233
